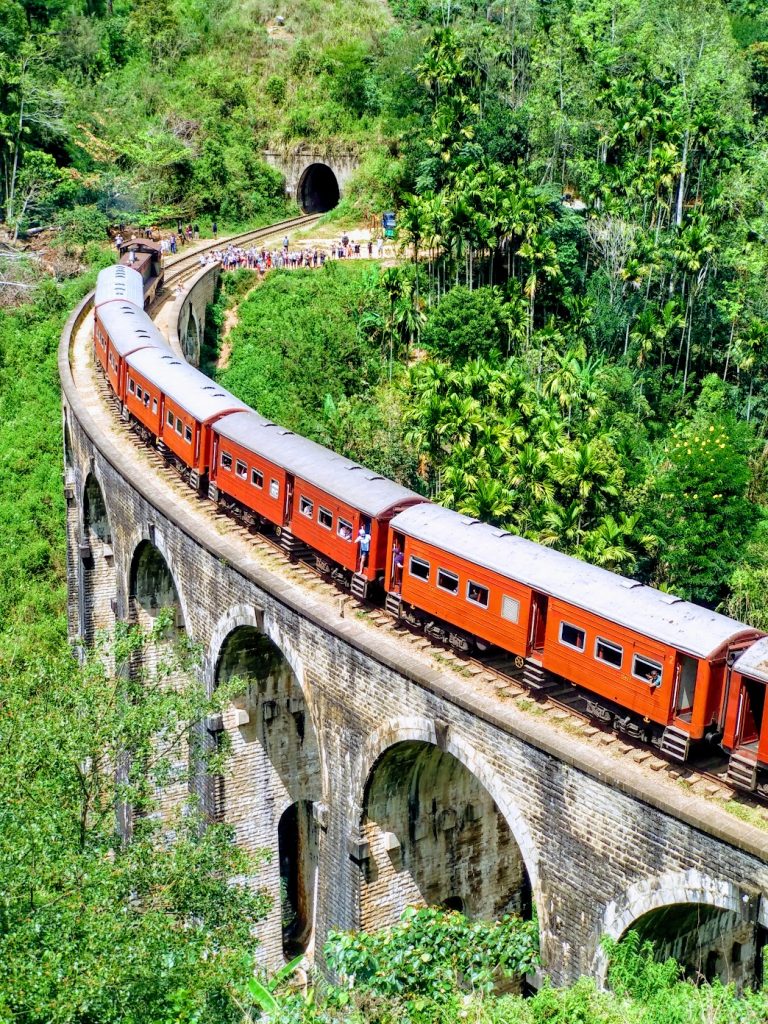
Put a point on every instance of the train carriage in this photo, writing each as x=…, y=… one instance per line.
x=640, y=650
x=315, y=497
x=118, y=283
x=177, y=405
x=745, y=734
x=120, y=329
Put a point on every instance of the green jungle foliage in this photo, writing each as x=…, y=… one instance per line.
x=581, y=189
x=308, y=352
x=435, y=967
x=135, y=109
x=91, y=928
x=94, y=928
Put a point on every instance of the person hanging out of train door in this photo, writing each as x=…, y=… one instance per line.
x=363, y=538
x=397, y=565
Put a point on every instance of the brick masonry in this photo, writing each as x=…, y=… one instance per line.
x=293, y=164
x=420, y=788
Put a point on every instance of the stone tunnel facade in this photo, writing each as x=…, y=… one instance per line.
x=315, y=177
x=376, y=782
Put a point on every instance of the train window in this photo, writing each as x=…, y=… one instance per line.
x=572, y=636
x=478, y=594
x=306, y=507
x=510, y=609
x=257, y=478
x=241, y=469
x=146, y=399
x=448, y=581
x=188, y=435
x=179, y=425
x=608, y=652
x=274, y=488
x=344, y=529
x=139, y=393
x=170, y=419
x=154, y=405
x=226, y=460
x=131, y=386
x=646, y=669
x=325, y=518
x=419, y=568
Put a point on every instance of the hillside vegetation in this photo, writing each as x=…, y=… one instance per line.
x=580, y=325
x=134, y=106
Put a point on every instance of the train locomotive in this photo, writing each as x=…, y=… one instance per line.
x=649, y=664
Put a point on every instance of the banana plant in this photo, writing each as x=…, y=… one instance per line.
x=265, y=1004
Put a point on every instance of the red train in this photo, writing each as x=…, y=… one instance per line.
x=648, y=663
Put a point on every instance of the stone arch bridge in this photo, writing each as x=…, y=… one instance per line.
x=376, y=773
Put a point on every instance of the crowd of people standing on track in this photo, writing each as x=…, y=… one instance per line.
x=232, y=257
x=177, y=238
x=288, y=257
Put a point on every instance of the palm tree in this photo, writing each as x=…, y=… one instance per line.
x=540, y=253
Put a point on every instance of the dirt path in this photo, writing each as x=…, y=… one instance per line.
x=231, y=320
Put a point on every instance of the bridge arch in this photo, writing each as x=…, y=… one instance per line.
x=192, y=340
x=98, y=579
x=96, y=519
x=274, y=772
x=471, y=819
x=152, y=581
x=673, y=889
x=318, y=189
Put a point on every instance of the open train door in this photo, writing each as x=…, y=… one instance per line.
x=538, y=625
x=294, y=547
x=288, y=503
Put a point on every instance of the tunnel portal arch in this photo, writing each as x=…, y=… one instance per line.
x=318, y=190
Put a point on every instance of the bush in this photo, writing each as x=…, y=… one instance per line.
x=466, y=324
x=83, y=224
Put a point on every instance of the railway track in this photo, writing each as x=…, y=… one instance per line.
x=495, y=674
x=184, y=266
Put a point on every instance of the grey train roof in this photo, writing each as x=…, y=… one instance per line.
x=183, y=384
x=346, y=480
x=130, y=328
x=754, y=661
x=668, y=619
x=119, y=282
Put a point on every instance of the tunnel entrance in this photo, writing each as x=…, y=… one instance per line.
x=297, y=844
x=318, y=189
